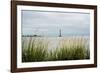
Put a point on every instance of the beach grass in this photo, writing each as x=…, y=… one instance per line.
x=35, y=51
x=67, y=49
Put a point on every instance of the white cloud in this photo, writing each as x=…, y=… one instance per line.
x=77, y=22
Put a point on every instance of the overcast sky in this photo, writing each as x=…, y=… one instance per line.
x=48, y=23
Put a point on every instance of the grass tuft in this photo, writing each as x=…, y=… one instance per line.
x=70, y=49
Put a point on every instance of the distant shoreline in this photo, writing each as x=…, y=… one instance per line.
x=87, y=36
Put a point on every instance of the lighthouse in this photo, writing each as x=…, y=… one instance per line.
x=60, y=33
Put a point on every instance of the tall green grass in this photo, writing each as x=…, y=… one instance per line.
x=70, y=50
x=37, y=50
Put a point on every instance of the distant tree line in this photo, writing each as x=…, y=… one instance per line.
x=31, y=36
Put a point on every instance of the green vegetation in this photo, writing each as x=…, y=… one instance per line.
x=37, y=50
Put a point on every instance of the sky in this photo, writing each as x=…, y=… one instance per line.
x=48, y=23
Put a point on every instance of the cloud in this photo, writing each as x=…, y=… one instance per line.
x=49, y=22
